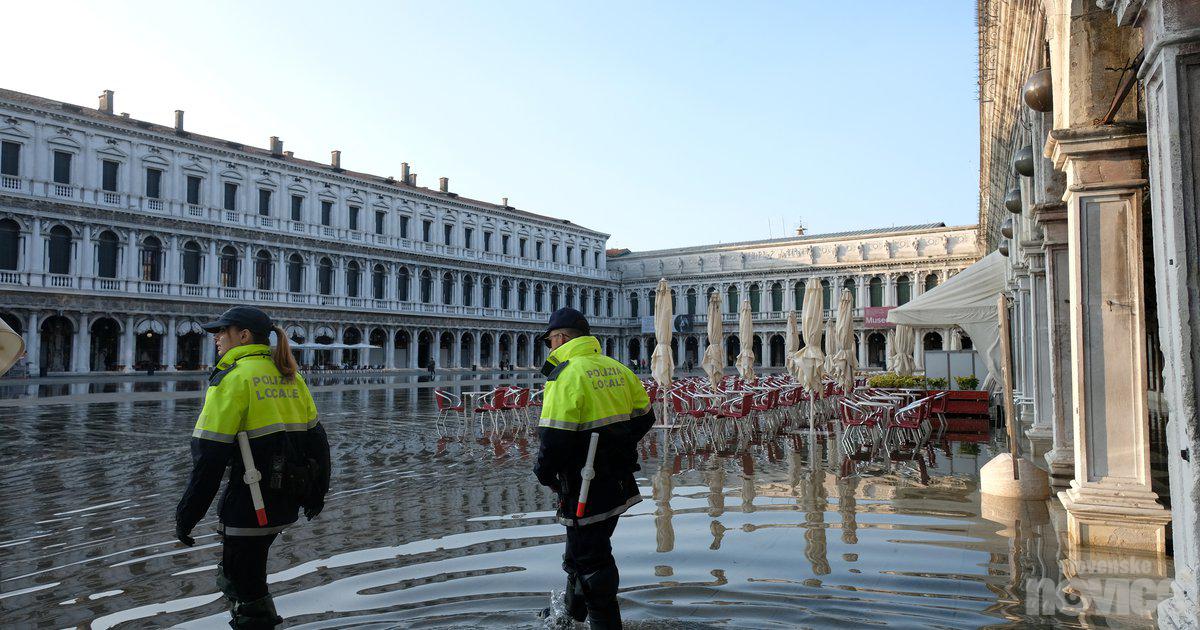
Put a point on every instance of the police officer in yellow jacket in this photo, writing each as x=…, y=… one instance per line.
x=587, y=392
x=256, y=390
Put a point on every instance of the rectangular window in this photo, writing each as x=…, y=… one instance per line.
x=570, y=255
x=264, y=201
x=108, y=175
x=522, y=247
x=380, y=217
x=596, y=260
x=326, y=213
x=297, y=207
x=426, y=229
x=487, y=241
x=354, y=211
x=537, y=250
x=10, y=158
x=467, y=234
x=154, y=183
x=193, y=190
x=230, y=196
x=554, y=252
x=504, y=244
x=447, y=233
x=62, y=167
x=403, y=227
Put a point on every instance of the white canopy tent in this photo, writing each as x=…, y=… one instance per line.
x=967, y=300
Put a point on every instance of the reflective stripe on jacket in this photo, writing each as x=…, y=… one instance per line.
x=247, y=393
x=587, y=392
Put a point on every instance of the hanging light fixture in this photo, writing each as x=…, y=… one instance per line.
x=1023, y=161
x=1012, y=200
x=1006, y=228
x=1039, y=91
x=1003, y=247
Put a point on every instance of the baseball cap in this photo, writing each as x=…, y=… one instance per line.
x=248, y=317
x=566, y=317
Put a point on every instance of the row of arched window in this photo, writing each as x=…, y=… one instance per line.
x=775, y=298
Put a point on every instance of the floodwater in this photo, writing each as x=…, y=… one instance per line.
x=428, y=527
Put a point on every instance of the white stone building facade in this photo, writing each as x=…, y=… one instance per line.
x=880, y=267
x=117, y=237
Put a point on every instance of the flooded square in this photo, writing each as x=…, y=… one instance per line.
x=427, y=525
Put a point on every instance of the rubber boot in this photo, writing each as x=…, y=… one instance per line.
x=574, y=598
x=600, y=591
x=256, y=615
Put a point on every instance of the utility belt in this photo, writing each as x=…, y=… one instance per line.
x=293, y=477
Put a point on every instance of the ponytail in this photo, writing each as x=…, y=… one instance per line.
x=281, y=354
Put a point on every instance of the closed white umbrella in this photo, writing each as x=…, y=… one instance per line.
x=812, y=360
x=844, y=359
x=745, y=359
x=662, y=363
x=791, y=343
x=829, y=344
x=12, y=346
x=902, y=350
x=714, y=356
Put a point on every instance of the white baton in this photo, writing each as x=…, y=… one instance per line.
x=588, y=473
x=252, y=477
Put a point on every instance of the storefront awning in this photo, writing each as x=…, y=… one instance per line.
x=967, y=300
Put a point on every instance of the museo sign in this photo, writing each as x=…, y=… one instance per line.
x=876, y=317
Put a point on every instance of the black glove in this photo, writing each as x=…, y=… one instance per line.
x=182, y=534
x=311, y=512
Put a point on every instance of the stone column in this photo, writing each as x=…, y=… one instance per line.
x=1110, y=502
x=82, y=356
x=389, y=349
x=1061, y=458
x=211, y=267
x=455, y=349
x=1041, y=434
x=170, y=272
x=476, y=350
x=33, y=248
x=412, y=349
x=496, y=349
x=1171, y=79
x=170, y=345
x=529, y=350
x=33, y=345
x=208, y=351
x=86, y=258
x=862, y=347
x=128, y=342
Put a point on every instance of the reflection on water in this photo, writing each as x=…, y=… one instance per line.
x=424, y=529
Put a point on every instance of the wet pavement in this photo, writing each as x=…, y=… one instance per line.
x=428, y=527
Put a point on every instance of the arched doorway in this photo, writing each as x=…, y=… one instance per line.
x=466, y=350
x=106, y=342
x=505, y=349
x=350, y=337
x=758, y=351
x=610, y=348
x=876, y=350
x=377, y=356
x=965, y=343
x=486, y=341
x=401, y=344
x=424, y=348
x=522, y=350
x=932, y=341
x=323, y=358
x=733, y=347
x=56, y=335
x=674, y=347
x=148, y=345
x=776, y=350
x=189, y=347
x=691, y=351
x=446, y=349
x=635, y=350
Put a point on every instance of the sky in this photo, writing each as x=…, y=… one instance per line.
x=664, y=124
